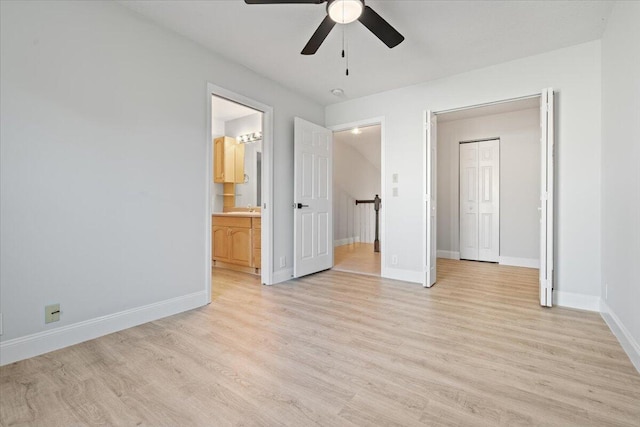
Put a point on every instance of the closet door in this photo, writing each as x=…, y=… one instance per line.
x=489, y=200
x=480, y=200
x=469, y=201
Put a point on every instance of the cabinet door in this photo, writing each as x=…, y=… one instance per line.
x=240, y=250
x=238, y=163
x=218, y=160
x=219, y=240
x=230, y=159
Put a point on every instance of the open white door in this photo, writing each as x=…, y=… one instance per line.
x=546, y=198
x=312, y=197
x=429, y=209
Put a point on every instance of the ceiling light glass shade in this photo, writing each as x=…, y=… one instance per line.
x=345, y=11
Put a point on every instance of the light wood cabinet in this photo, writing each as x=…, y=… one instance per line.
x=256, y=226
x=228, y=160
x=234, y=240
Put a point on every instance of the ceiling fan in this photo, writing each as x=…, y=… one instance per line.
x=344, y=12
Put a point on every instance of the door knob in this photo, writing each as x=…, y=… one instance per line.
x=300, y=206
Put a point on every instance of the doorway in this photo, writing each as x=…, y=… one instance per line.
x=357, y=192
x=239, y=184
x=525, y=129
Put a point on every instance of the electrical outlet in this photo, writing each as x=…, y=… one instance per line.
x=394, y=259
x=283, y=261
x=394, y=178
x=52, y=313
x=394, y=191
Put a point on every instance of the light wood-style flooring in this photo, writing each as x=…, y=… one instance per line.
x=357, y=258
x=339, y=349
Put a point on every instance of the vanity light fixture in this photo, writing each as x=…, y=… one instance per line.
x=250, y=137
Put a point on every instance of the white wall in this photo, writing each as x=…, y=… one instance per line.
x=103, y=169
x=519, y=134
x=621, y=175
x=574, y=73
x=354, y=177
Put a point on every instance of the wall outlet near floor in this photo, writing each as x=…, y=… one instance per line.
x=283, y=261
x=52, y=313
x=394, y=259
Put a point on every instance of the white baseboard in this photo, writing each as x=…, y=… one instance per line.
x=447, y=254
x=43, y=342
x=628, y=343
x=346, y=241
x=402, y=275
x=282, y=275
x=519, y=262
x=579, y=301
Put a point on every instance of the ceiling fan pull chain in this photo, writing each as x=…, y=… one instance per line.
x=346, y=43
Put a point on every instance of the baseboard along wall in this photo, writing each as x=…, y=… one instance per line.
x=43, y=342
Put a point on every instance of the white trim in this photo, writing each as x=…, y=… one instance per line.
x=486, y=104
x=281, y=276
x=447, y=254
x=626, y=340
x=403, y=275
x=579, y=301
x=43, y=342
x=267, y=180
x=519, y=262
x=346, y=241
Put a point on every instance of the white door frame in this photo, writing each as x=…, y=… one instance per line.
x=549, y=130
x=266, y=266
x=373, y=121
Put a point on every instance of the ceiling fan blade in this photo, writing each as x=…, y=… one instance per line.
x=283, y=1
x=318, y=37
x=381, y=28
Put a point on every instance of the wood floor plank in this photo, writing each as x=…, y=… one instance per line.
x=340, y=349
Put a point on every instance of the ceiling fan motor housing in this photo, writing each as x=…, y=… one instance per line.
x=344, y=11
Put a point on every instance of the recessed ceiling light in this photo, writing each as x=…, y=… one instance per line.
x=337, y=91
x=356, y=131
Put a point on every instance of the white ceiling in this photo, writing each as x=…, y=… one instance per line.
x=224, y=110
x=441, y=38
x=367, y=143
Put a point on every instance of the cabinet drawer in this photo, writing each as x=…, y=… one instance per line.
x=231, y=221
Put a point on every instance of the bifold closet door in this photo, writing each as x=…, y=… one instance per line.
x=480, y=200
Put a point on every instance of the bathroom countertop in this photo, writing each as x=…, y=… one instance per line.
x=242, y=214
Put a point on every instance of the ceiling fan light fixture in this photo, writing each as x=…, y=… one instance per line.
x=345, y=11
